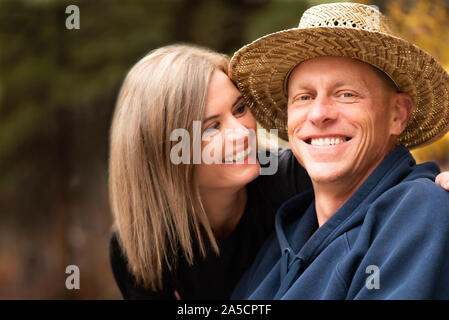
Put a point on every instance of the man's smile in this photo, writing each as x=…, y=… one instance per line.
x=326, y=140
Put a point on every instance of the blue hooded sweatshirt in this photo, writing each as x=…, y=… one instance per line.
x=390, y=240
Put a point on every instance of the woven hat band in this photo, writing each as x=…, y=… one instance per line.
x=346, y=15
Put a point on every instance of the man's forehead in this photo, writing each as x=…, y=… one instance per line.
x=340, y=64
x=341, y=70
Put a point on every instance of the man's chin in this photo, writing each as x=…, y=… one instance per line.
x=321, y=175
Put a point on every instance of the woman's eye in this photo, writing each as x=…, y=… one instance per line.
x=212, y=127
x=304, y=98
x=241, y=109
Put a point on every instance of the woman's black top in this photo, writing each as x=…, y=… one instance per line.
x=216, y=276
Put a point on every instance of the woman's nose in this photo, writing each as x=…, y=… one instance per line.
x=237, y=133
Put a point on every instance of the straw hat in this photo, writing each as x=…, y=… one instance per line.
x=353, y=30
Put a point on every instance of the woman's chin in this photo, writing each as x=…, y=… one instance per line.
x=241, y=174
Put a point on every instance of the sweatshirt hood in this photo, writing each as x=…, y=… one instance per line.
x=302, y=241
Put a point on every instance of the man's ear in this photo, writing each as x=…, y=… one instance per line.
x=402, y=109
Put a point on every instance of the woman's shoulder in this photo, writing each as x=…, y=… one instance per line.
x=119, y=265
x=126, y=282
x=269, y=191
x=285, y=175
x=116, y=255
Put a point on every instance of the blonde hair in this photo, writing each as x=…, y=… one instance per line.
x=156, y=205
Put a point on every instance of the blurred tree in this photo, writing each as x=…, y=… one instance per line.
x=275, y=16
x=424, y=23
x=57, y=94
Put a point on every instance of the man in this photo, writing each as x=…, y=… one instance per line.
x=375, y=225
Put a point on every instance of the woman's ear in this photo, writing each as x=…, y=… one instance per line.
x=402, y=109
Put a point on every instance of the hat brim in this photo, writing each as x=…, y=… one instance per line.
x=261, y=68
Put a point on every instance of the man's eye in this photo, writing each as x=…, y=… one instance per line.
x=346, y=94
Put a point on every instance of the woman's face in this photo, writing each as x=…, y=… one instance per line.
x=228, y=138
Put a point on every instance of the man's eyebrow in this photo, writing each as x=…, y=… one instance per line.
x=335, y=84
x=344, y=82
x=240, y=97
x=303, y=85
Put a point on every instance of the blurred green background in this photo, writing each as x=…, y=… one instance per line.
x=57, y=94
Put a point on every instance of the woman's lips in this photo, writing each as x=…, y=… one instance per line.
x=238, y=156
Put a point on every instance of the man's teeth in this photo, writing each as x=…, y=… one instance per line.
x=331, y=141
x=239, y=156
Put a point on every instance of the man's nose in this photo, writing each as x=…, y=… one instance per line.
x=322, y=111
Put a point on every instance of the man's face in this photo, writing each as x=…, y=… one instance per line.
x=341, y=119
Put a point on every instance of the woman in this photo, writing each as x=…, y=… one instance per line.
x=188, y=229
